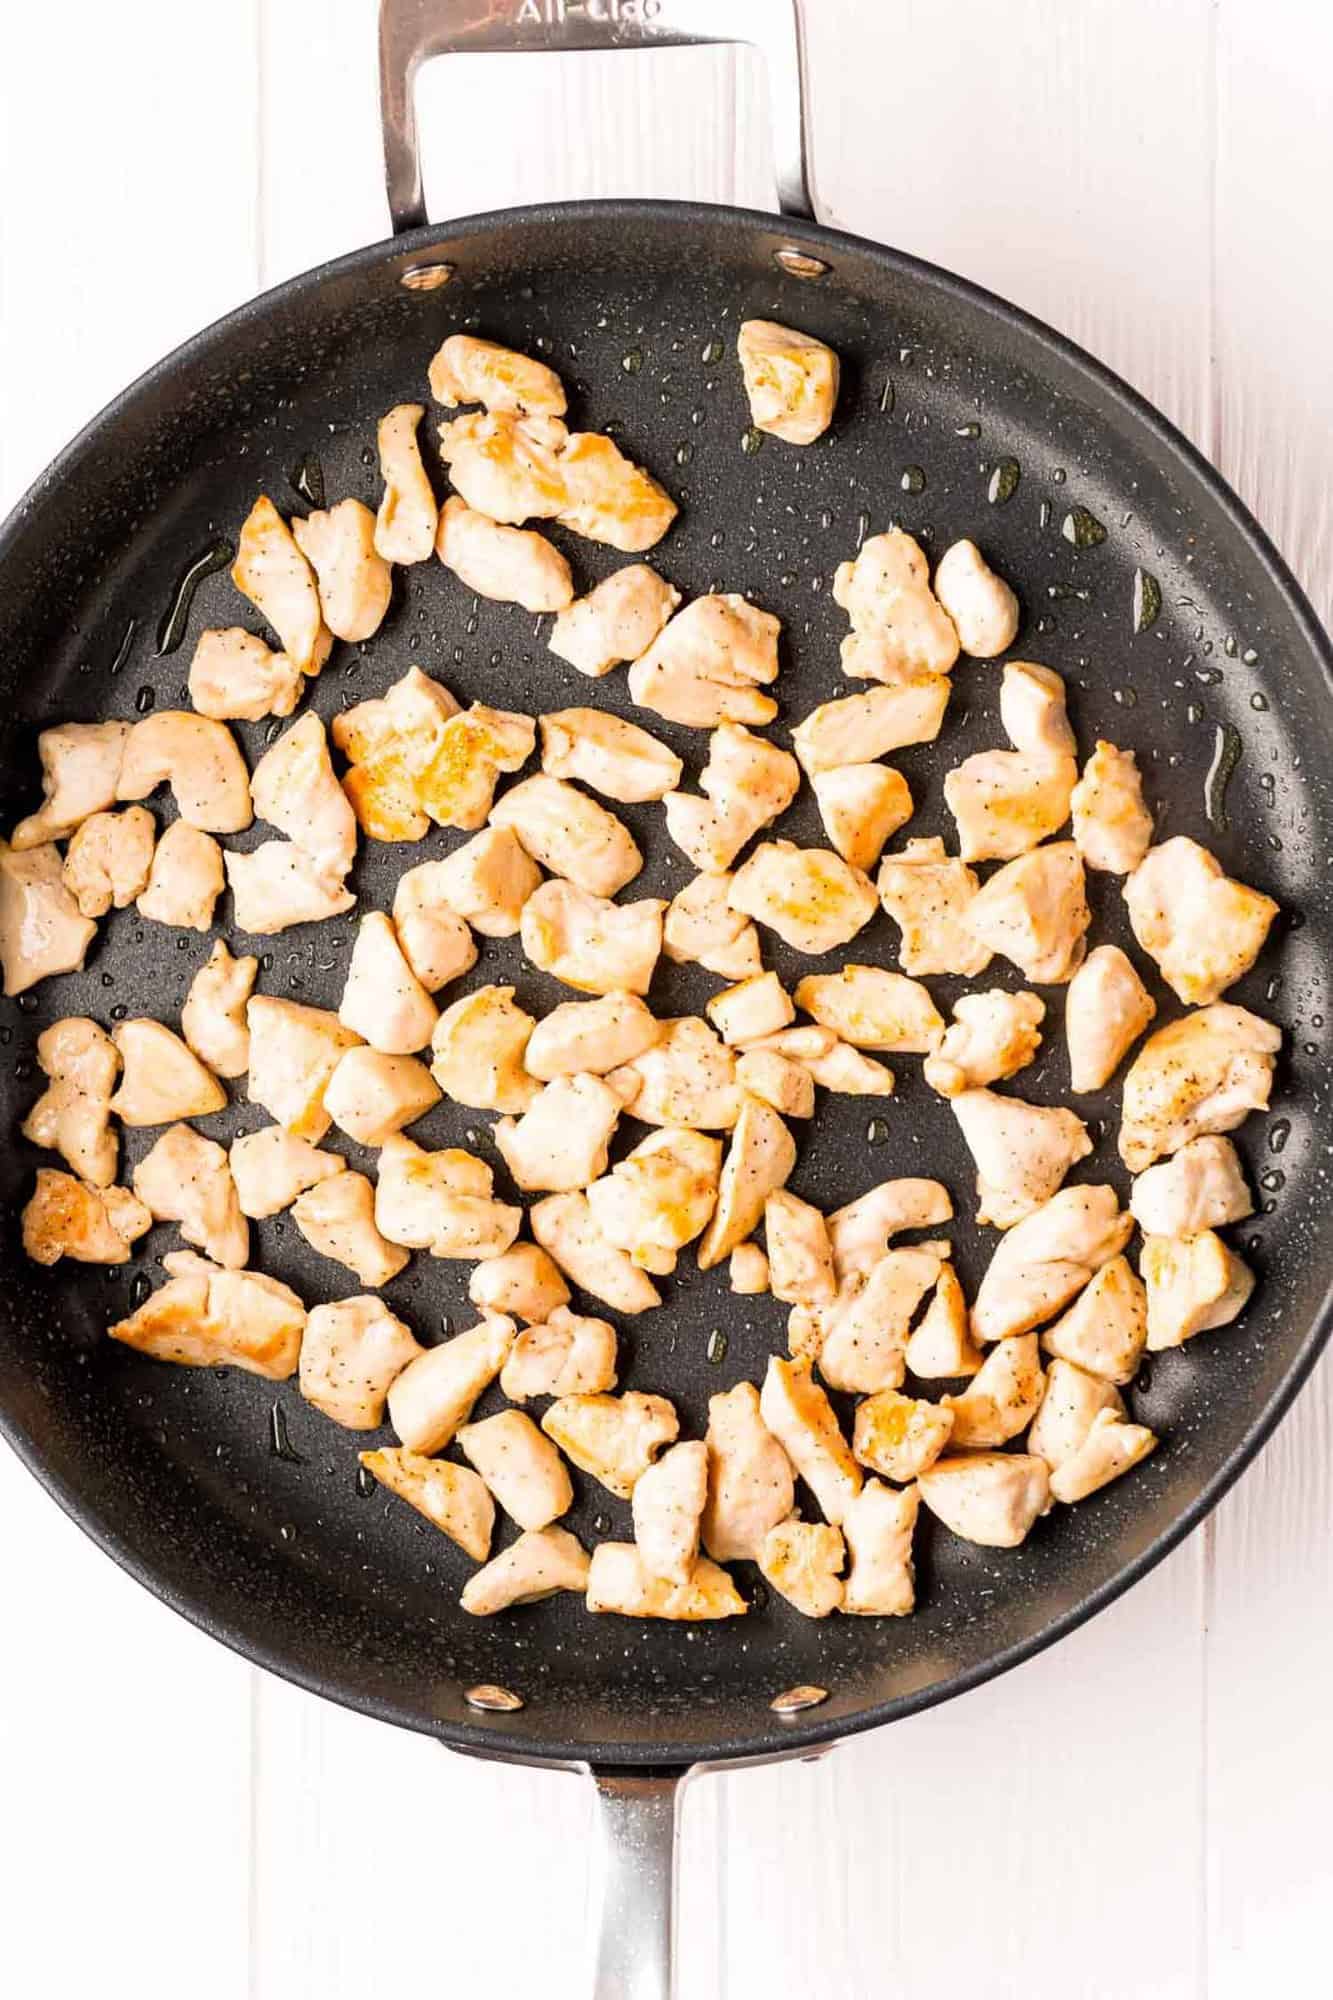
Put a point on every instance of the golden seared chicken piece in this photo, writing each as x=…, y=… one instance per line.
x=506, y=465
x=803, y=1561
x=278, y=580
x=370, y=1095
x=383, y=1000
x=81, y=764
x=433, y=938
x=204, y=1317
x=791, y=380
x=434, y=1395
x=758, y=1162
x=294, y=1050
x=478, y=1047
x=457, y=786
x=881, y=1579
x=506, y=565
x=1111, y=1447
x=406, y=522
x=703, y=929
x=747, y=1271
x=860, y=1338
x=277, y=885
x=800, y=1416
x=235, y=677
x=1194, y=1284
x=616, y=621
x=1022, y=1151
x=521, y=1468
x=1047, y=1259
x=486, y=881
x=108, y=860
x=708, y=664
x=800, y=1255
x=608, y=754
x=591, y=943
x=988, y=1497
x=270, y=1168
x=441, y=1202
x=186, y=1178
x=294, y=789
x=213, y=1017
x=570, y=834
x=1033, y=711
x=565, y=1355
x=899, y=1436
x=618, y=1580
x=612, y=1438
x=1034, y=912
x=565, y=1226
x=1107, y=1008
x=861, y=1232
x=523, y=1282
x=1204, y=930
x=980, y=604
x=1112, y=825
x=991, y=1036
x=391, y=743
x=747, y=783
x=848, y=1073
x=858, y=728
x=1203, y=1073
x=451, y=1497
x=1003, y=1396
x=609, y=499
x=185, y=879
x=199, y=759
x=353, y=1351
x=72, y=1116
x=161, y=1079
x=929, y=893
x=659, y=1197
x=809, y=896
x=337, y=1218
x=941, y=1343
x=751, y=1010
x=787, y=1086
x=862, y=806
x=1005, y=802
x=750, y=1485
x=903, y=630
x=90, y=1225
x=668, y=1504
x=1201, y=1187
x=873, y=1009
x=1105, y=1329
x=468, y=370
x=590, y=1036
x=1071, y=1400
x=536, y=1566
x=687, y=1077
x=355, y=581
x=561, y=1140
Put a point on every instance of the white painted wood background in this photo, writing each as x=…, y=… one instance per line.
x=1141, y=1813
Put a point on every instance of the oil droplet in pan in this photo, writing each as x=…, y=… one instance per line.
x=1227, y=748
x=279, y=1437
x=1004, y=481
x=307, y=481
x=1147, y=599
x=172, y=629
x=1083, y=529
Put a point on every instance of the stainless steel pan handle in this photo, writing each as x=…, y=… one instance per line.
x=412, y=31
x=634, y=1914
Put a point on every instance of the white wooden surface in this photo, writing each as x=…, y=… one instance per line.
x=1138, y=1814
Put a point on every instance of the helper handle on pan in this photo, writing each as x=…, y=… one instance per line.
x=412, y=31
x=634, y=1911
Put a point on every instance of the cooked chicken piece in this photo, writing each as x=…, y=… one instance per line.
x=862, y=806
x=1071, y=1399
x=294, y=789
x=69, y=1218
x=523, y=1282
x=801, y=1419
x=788, y=1087
x=748, y=782
x=591, y=943
x=846, y=1071
x=612, y=1438
x=199, y=759
x=1204, y=1073
x=799, y=1251
x=72, y=1116
x=478, y=1047
x=861, y=1232
x=433, y=938
x=383, y=1000
x=610, y=755
x=860, y=1338
x=747, y=1271
x=562, y=1139
x=534, y=1567
x=899, y=1436
x=277, y=885
x=1033, y=712
x=487, y=881
x=1022, y=1151
x=1204, y=930
x=878, y=1525
x=703, y=929
x=507, y=565
x=213, y=1017
x=590, y=1036
x=108, y=860
x=1111, y=1447
x=1034, y=911
x=809, y=896
x=433, y=1397
x=609, y=499
x=615, y=622
x=940, y=1344
x=803, y=1560
x=749, y=1477
x=1202, y=1187
x=659, y=1197
x=1005, y=802
x=468, y=370
x=236, y=677
x=81, y=764
x=294, y=1050
x=337, y=1218
x=749, y=1011
x=371, y=1096
x=1105, y=1329
x=392, y=743
x=980, y=604
x=570, y=834
x=353, y=1350
x=1194, y=1284
x=707, y=665
x=565, y=1355
x=441, y=1202
x=1047, y=1259
x=521, y=1468
x=186, y=1178
x=41, y=930
x=273, y=573
x=988, y=1497
x=992, y=1036
x=791, y=380
x=1107, y=1008
x=759, y=1160
x=406, y=521
x=1003, y=1396
x=162, y=1079
x=688, y=1077
x=887, y=595
x=452, y=1497
x=185, y=879
x=355, y=581
x=873, y=1009
x=207, y=1318
x=862, y=727
x=929, y=893
x=1112, y=825
x=456, y=787
x=507, y=465
x=270, y=1168
x=565, y=1226
x=668, y=1504
x=618, y=1580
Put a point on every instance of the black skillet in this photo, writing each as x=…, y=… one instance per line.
x=252, y=1523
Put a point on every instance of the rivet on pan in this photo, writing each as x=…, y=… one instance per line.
x=797, y=1698
x=800, y=264
x=426, y=277
x=495, y=1699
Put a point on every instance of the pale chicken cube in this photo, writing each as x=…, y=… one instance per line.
x=758, y=1162
x=881, y=1578
x=862, y=806
x=522, y=1469
x=371, y=1096
x=808, y=895
x=1105, y=1330
x=858, y=728
x=451, y=1497
x=612, y=1438
x=929, y=893
x=861, y=1232
x=486, y=881
x=465, y=369
x=800, y=1255
x=478, y=1047
x=1005, y=802
x=81, y=764
x=1202, y=1187
x=383, y=1000
x=1046, y=1259
x=687, y=1077
x=800, y=1417
x=561, y=1141
x=1034, y=912
x=608, y=754
x=1112, y=825
x=278, y=580
x=236, y=677
x=65, y=1217
x=803, y=1561
x=709, y=663
x=988, y=1497
x=294, y=789
x=507, y=565
x=873, y=1009
x=898, y=1436
x=991, y=1036
x=1022, y=1151
x=1194, y=1284
x=355, y=582
x=747, y=1271
x=591, y=943
x=668, y=1503
x=270, y=1168
x=352, y=1353
x=442, y=1202
x=659, y=1197
x=213, y=1018
x=776, y=1080
x=433, y=1397
x=845, y=1070
x=1107, y=1008
x=294, y=1050
x=609, y=499
x=565, y=1225
x=615, y=622
x=523, y=1282
x=750, y=1487
x=887, y=595
x=618, y=1580
x=162, y=1080
x=590, y=1036
x=791, y=380
x=568, y=1354
x=1204, y=1073
x=1033, y=711
x=860, y=1338
x=1003, y=1396
x=277, y=885
x=337, y=1218
x=570, y=834
x=1071, y=1400
x=185, y=880
x=108, y=860
x=750, y=1010
x=507, y=465
x=536, y=1566
x=941, y=1344
x=198, y=759
x=1111, y=1447
x=187, y=1179
x=747, y=782
x=1203, y=929
x=204, y=1317
x=72, y=1116
x=703, y=929
x=433, y=937
x=982, y=607
x=407, y=518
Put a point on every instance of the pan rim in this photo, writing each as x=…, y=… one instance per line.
x=769, y=1739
